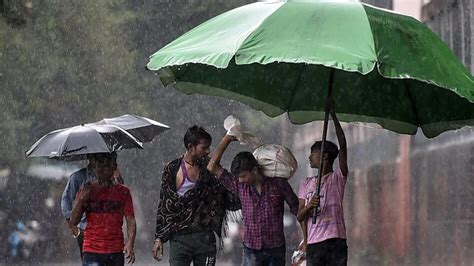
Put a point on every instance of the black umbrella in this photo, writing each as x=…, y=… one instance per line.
x=144, y=129
x=75, y=143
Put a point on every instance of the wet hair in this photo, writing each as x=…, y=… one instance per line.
x=194, y=135
x=243, y=161
x=329, y=147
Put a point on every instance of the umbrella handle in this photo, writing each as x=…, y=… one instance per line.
x=315, y=211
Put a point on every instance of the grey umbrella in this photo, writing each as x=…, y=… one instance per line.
x=75, y=143
x=144, y=129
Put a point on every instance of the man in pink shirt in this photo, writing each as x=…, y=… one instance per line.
x=325, y=241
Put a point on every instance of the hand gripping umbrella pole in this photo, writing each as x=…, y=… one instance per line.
x=315, y=211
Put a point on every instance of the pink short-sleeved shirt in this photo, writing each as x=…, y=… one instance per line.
x=330, y=222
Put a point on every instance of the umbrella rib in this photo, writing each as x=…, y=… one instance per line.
x=293, y=93
x=412, y=103
x=61, y=147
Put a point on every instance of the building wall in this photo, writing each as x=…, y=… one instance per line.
x=414, y=206
x=453, y=20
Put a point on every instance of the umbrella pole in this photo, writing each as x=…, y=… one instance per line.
x=323, y=141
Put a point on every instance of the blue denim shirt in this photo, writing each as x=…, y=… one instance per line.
x=74, y=184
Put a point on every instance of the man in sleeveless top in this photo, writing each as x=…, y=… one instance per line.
x=192, y=205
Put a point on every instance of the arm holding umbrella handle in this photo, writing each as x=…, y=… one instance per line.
x=314, y=213
x=341, y=139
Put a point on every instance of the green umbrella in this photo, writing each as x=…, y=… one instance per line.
x=379, y=66
x=275, y=56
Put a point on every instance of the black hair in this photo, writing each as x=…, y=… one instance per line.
x=243, y=161
x=330, y=149
x=194, y=135
x=103, y=156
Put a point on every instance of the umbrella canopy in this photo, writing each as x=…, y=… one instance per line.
x=281, y=57
x=75, y=143
x=142, y=128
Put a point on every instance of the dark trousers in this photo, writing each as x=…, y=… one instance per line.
x=95, y=259
x=198, y=248
x=80, y=242
x=331, y=252
x=264, y=257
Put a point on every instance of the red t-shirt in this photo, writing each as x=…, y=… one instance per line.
x=105, y=212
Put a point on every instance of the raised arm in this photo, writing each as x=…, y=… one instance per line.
x=341, y=138
x=214, y=165
x=226, y=178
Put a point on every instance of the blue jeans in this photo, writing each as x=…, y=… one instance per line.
x=264, y=257
x=95, y=259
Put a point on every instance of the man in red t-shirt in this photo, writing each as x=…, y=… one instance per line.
x=106, y=203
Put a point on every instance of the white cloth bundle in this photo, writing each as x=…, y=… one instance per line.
x=276, y=161
x=234, y=128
